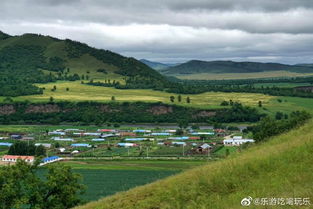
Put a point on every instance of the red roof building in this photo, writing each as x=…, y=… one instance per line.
x=106, y=130
x=14, y=158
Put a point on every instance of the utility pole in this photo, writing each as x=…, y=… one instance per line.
x=147, y=151
x=183, y=150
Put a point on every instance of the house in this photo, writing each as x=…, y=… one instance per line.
x=72, y=130
x=161, y=134
x=44, y=145
x=62, y=139
x=107, y=135
x=170, y=131
x=92, y=134
x=14, y=158
x=106, y=130
x=236, y=142
x=60, y=133
x=179, y=143
x=134, y=139
x=203, y=149
x=98, y=140
x=80, y=145
x=127, y=134
x=127, y=145
x=62, y=149
x=194, y=138
x=2, y=138
x=28, y=138
x=141, y=131
x=205, y=146
x=7, y=144
x=16, y=136
x=203, y=133
x=75, y=152
x=49, y=160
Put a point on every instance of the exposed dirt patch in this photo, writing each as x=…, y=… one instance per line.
x=47, y=108
x=160, y=110
x=7, y=110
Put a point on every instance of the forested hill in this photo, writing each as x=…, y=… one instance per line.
x=32, y=58
x=197, y=66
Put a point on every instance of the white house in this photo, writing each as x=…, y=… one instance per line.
x=236, y=142
x=14, y=158
x=43, y=144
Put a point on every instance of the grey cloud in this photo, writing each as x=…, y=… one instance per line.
x=173, y=30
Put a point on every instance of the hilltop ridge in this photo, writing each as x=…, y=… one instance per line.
x=199, y=66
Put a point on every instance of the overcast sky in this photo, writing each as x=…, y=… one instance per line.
x=173, y=30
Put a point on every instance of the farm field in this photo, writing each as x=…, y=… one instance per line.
x=208, y=100
x=79, y=92
x=101, y=183
x=104, y=178
x=175, y=165
x=225, y=76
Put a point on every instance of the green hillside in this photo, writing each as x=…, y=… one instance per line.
x=155, y=65
x=32, y=58
x=278, y=168
x=197, y=66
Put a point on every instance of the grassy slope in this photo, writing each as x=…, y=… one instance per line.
x=281, y=167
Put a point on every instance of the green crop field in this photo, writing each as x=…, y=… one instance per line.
x=106, y=177
x=225, y=76
x=101, y=182
x=103, y=177
x=134, y=164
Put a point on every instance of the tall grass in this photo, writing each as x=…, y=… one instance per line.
x=279, y=167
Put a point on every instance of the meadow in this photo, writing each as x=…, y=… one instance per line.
x=230, y=76
x=80, y=92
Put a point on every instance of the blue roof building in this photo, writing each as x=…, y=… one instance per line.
x=50, y=159
x=5, y=144
x=98, y=140
x=80, y=145
x=134, y=139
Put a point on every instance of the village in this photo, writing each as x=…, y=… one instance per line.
x=125, y=143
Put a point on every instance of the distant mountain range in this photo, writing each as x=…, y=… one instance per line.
x=197, y=66
x=157, y=65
